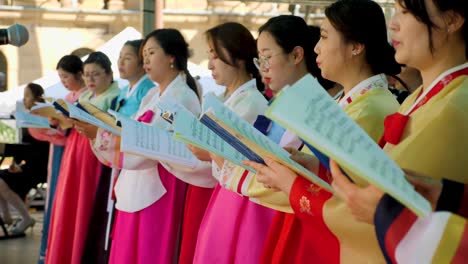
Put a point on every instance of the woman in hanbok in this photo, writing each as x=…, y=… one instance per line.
x=233, y=229
x=79, y=171
x=150, y=194
x=131, y=69
x=286, y=55
x=426, y=137
x=280, y=36
x=70, y=71
x=355, y=54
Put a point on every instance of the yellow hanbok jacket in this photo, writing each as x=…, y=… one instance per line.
x=435, y=140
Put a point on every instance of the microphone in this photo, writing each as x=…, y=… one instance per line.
x=16, y=35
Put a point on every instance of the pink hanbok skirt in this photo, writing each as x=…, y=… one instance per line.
x=151, y=235
x=233, y=229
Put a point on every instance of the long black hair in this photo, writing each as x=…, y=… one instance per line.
x=240, y=45
x=173, y=43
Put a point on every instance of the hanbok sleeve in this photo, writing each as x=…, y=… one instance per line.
x=106, y=147
x=307, y=199
x=244, y=182
x=441, y=237
x=198, y=175
x=55, y=137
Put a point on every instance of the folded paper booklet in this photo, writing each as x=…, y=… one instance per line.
x=153, y=142
x=28, y=120
x=99, y=114
x=248, y=140
x=306, y=109
x=48, y=110
x=188, y=129
x=79, y=112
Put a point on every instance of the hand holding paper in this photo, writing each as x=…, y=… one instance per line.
x=362, y=202
x=306, y=160
x=56, y=118
x=88, y=130
x=200, y=153
x=273, y=175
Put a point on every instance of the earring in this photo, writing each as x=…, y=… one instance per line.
x=172, y=66
x=354, y=53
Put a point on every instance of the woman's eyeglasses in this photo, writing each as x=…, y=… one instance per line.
x=263, y=62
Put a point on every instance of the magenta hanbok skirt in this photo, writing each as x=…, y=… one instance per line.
x=233, y=229
x=151, y=235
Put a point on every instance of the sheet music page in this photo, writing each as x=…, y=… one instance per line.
x=312, y=114
x=27, y=120
x=189, y=129
x=155, y=143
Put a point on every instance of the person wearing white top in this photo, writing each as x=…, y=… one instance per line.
x=150, y=196
x=225, y=235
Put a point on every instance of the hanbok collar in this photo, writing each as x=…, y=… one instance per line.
x=75, y=95
x=395, y=124
x=252, y=84
x=131, y=90
x=445, y=78
x=94, y=96
x=363, y=87
x=80, y=91
x=171, y=86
